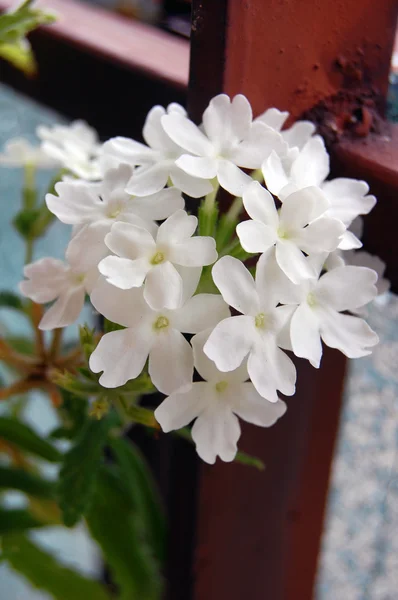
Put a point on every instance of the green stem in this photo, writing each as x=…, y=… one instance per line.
x=228, y=224
x=208, y=211
x=257, y=175
x=28, y=251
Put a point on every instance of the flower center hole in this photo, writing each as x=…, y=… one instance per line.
x=260, y=321
x=221, y=386
x=311, y=300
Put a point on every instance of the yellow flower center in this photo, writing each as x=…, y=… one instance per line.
x=221, y=386
x=259, y=320
x=311, y=300
x=161, y=323
x=157, y=258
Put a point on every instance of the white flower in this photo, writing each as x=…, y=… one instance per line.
x=362, y=259
x=320, y=303
x=216, y=404
x=157, y=160
x=296, y=136
x=348, y=197
x=255, y=332
x=98, y=206
x=122, y=355
x=300, y=226
x=75, y=146
x=142, y=258
x=229, y=140
x=49, y=279
x=19, y=152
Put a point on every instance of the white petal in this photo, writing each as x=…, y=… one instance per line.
x=123, y=272
x=230, y=342
x=87, y=248
x=272, y=285
x=177, y=228
x=270, y=369
x=236, y=285
x=351, y=335
x=171, y=362
x=253, y=408
x=128, y=151
x=186, y=134
x=273, y=118
x=349, y=241
x=192, y=186
x=74, y=204
x=292, y=262
x=231, y=178
x=275, y=176
x=194, y=252
x=241, y=116
x=217, y=120
x=149, y=180
x=200, y=312
x=129, y=241
x=305, y=336
x=255, y=236
x=125, y=307
x=121, y=355
x=260, y=205
x=216, y=433
x=179, y=409
x=348, y=198
x=158, y=206
x=202, y=167
x=153, y=132
x=190, y=280
x=302, y=207
x=298, y=134
x=257, y=146
x=163, y=287
x=65, y=309
x=206, y=367
x=311, y=167
x=322, y=235
x=47, y=279
x=347, y=287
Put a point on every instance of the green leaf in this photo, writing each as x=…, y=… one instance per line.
x=14, y=520
x=17, y=24
x=113, y=524
x=143, y=493
x=109, y=326
x=33, y=485
x=24, y=222
x=78, y=475
x=20, y=55
x=11, y=300
x=26, y=439
x=45, y=573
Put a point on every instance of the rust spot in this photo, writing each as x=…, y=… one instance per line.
x=348, y=114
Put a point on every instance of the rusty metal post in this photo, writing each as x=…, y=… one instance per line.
x=258, y=534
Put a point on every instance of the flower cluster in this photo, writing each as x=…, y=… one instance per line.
x=266, y=279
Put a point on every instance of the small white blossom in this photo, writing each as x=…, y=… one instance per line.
x=49, y=279
x=348, y=197
x=296, y=136
x=157, y=160
x=122, y=355
x=19, y=152
x=216, y=404
x=228, y=139
x=75, y=146
x=255, y=332
x=320, y=304
x=360, y=259
x=142, y=257
x=300, y=226
x=96, y=207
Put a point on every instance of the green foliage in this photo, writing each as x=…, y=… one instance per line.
x=73, y=413
x=47, y=574
x=17, y=520
x=109, y=326
x=78, y=475
x=27, y=440
x=11, y=300
x=207, y=218
x=25, y=222
x=23, y=481
x=143, y=493
x=14, y=26
x=113, y=524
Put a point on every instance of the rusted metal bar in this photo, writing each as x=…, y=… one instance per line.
x=258, y=535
